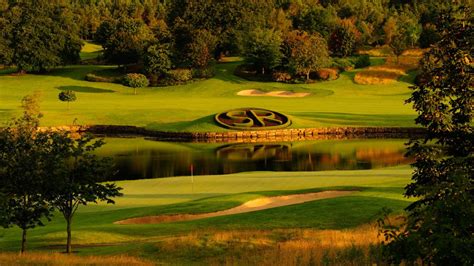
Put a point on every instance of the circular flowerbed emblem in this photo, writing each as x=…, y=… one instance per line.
x=252, y=119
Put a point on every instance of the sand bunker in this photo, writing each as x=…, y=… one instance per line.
x=249, y=206
x=273, y=93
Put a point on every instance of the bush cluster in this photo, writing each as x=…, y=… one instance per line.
x=179, y=75
x=203, y=73
x=281, y=76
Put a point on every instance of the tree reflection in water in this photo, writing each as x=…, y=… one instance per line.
x=150, y=159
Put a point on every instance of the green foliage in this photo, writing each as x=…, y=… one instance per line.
x=67, y=96
x=429, y=36
x=157, y=59
x=37, y=37
x=135, y=80
x=206, y=73
x=128, y=40
x=316, y=20
x=440, y=223
x=399, y=43
x=342, y=41
x=104, y=32
x=201, y=49
x=179, y=75
x=262, y=49
x=24, y=171
x=305, y=53
x=76, y=176
x=362, y=61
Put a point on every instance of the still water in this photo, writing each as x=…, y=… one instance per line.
x=137, y=158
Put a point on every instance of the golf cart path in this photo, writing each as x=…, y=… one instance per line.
x=250, y=206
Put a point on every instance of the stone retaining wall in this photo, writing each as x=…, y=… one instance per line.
x=250, y=136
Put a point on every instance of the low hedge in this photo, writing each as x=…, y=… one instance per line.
x=96, y=78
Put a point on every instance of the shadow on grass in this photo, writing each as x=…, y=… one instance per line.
x=357, y=119
x=225, y=72
x=84, y=89
x=200, y=123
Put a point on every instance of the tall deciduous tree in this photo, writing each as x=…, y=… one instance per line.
x=24, y=168
x=440, y=223
x=75, y=179
x=305, y=53
x=262, y=49
x=127, y=41
x=342, y=41
x=40, y=35
x=201, y=49
x=157, y=59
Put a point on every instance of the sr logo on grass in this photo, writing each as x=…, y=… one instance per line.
x=252, y=119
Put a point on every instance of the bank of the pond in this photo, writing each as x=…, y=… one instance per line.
x=249, y=136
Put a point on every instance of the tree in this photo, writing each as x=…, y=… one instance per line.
x=24, y=169
x=201, y=49
x=390, y=29
x=399, y=44
x=262, y=49
x=135, y=80
x=305, y=53
x=342, y=41
x=40, y=35
x=67, y=96
x=127, y=42
x=157, y=60
x=440, y=222
x=76, y=176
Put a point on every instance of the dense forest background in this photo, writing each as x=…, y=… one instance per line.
x=297, y=36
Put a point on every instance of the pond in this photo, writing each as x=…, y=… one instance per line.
x=138, y=158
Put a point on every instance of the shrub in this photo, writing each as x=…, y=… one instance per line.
x=362, y=61
x=327, y=74
x=179, y=75
x=204, y=73
x=67, y=96
x=343, y=64
x=135, y=80
x=281, y=76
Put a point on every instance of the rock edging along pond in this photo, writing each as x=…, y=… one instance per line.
x=248, y=136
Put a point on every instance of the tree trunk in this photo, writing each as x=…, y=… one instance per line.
x=135, y=91
x=23, y=242
x=307, y=75
x=263, y=71
x=69, y=235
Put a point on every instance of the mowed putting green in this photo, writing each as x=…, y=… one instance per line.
x=192, y=107
x=95, y=231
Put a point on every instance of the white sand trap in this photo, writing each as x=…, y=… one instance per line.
x=273, y=93
x=250, y=206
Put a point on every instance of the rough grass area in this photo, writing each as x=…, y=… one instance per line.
x=389, y=73
x=358, y=246
x=56, y=259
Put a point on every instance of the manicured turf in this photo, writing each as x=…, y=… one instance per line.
x=192, y=107
x=94, y=224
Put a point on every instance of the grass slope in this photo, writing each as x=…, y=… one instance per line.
x=191, y=107
x=95, y=234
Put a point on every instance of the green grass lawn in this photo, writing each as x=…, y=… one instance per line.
x=95, y=233
x=191, y=107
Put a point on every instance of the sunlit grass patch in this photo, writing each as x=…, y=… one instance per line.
x=388, y=73
x=53, y=259
x=360, y=245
